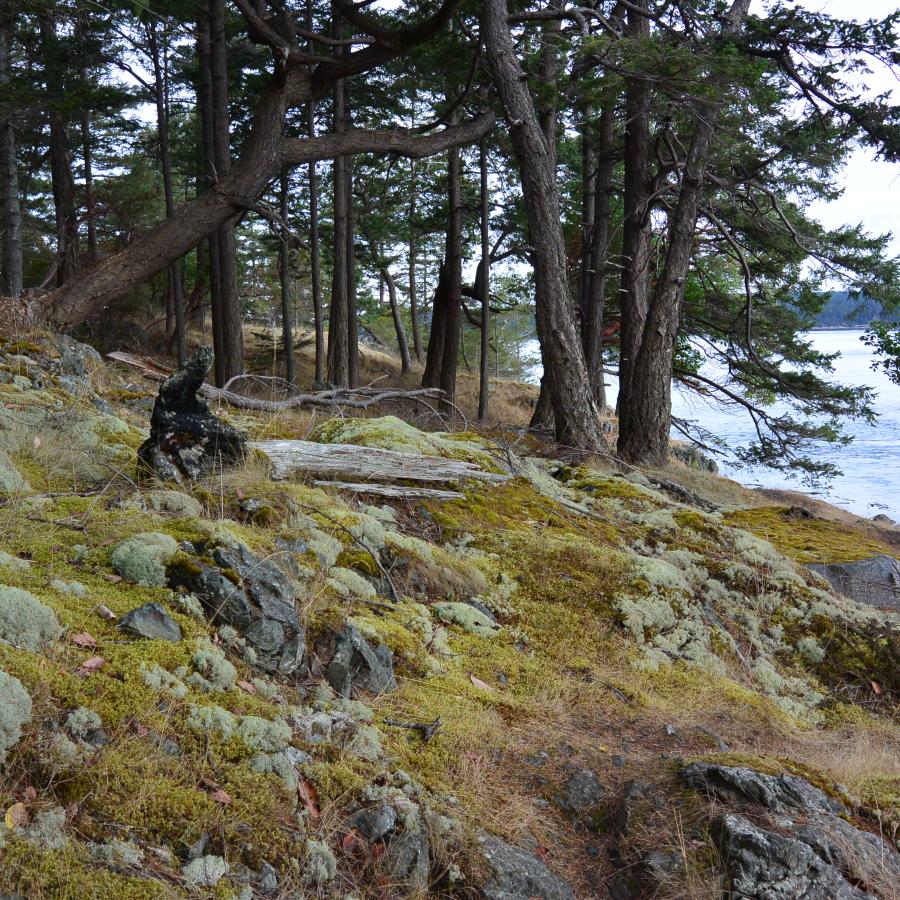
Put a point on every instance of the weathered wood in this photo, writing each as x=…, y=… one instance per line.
x=290, y=457
x=392, y=491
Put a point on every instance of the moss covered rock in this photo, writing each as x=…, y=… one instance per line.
x=468, y=617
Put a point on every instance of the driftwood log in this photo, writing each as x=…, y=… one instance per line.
x=392, y=491
x=352, y=398
x=350, y=461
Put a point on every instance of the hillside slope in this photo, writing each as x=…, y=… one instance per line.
x=568, y=684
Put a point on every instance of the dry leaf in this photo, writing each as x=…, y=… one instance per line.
x=30, y=793
x=220, y=796
x=481, y=684
x=84, y=640
x=138, y=728
x=113, y=579
x=309, y=798
x=90, y=665
x=16, y=816
x=246, y=686
x=353, y=841
x=876, y=687
x=106, y=613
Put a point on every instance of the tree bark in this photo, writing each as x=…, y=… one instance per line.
x=161, y=98
x=576, y=416
x=453, y=297
x=438, y=333
x=89, y=211
x=315, y=264
x=484, y=381
x=402, y=345
x=413, y=291
x=228, y=305
x=11, y=220
x=284, y=270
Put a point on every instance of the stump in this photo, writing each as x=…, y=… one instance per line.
x=186, y=440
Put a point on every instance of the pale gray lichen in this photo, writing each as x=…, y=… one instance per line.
x=320, y=865
x=268, y=735
x=468, y=617
x=174, y=503
x=212, y=671
x=118, y=853
x=276, y=764
x=8, y=561
x=349, y=584
x=165, y=682
x=82, y=722
x=142, y=559
x=15, y=712
x=25, y=622
x=47, y=829
x=205, y=871
x=72, y=588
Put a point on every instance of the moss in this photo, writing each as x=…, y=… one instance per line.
x=808, y=540
x=26, y=622
x=142, y=558
x=15, y=712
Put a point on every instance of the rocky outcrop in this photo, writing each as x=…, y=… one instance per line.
x=517, y=874
x=875, y=581
x=808, y=848
x=186, y=440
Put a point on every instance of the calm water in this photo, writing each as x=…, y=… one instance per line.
x=870, y=482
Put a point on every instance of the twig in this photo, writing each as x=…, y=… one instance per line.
x=427, y=730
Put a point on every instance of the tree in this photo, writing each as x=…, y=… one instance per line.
x=11, y=219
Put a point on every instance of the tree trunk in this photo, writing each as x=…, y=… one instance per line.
x=315, y=264
x=89, y=211
x=636, y=234
x=453, y=298
x=594, y=295
x=438, y=333
x=160, y=92
x=63, y=183
x=338, y=318
x=413, y=292
x=352, y=314
x=402, y=345
x=284, y=269
x=228, y=306
x=11, y=220
x=484, y=286
x=644, y=423
x=576, y=416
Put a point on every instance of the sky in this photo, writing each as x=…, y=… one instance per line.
x=871, y=187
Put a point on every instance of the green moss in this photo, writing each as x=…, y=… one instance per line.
x=808, y=540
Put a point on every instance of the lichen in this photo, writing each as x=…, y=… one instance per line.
x=15, y=712
x=142, y=558
x=82, y=722
x=26, y=622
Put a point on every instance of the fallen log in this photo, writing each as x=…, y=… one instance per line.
x=351, y=398
x=289, y=457
x=392, y=491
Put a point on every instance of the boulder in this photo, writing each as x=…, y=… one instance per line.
x=519, y=875
x=874, y=581
x=150, y=621
x=355, y=665
x=186, y=440
x=581, y=791
x=252, y=595
x=769, y=866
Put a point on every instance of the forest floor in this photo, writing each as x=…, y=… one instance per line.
x=564, y=644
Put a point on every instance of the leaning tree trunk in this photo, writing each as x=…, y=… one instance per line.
x=576, y=415
x=11, y=219
x=402, y=345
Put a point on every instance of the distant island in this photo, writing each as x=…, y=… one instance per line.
x=844, y=310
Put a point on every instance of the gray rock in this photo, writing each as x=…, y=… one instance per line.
x=150, y=621
x=207, y=871
x=519, y=875
x=780, y=793
x=882, y=519
x=874, y=581
x=408, y=859
x=661, y=865
x=373, y=824
x=357, y=666
x=764, y=865
x=250, y=594
x=268, y=879
x=581, y=790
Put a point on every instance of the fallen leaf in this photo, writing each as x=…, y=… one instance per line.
x=138, y=728
x=113, y=579
x=876, y=687
x=246, y=686
x=309, y=798
x=542, y=852
x=220, y=796
x=481, y=684
x=84, y=640
x=30, y=793
x=90, y=665
x=105, y=613
x=377, y=850
x=352, y=842
x=16, y=816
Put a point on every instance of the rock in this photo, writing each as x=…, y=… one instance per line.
x=519, y=875
x=639, y=478
x=357, y=666
x=582, y=790
x=408, y=859
x=207, y=871
x=11, y=479
x=769, y=866
x=150, y=621
x=468, y=617
x=186, y=439
x=779, y=793
x=692, y=456
x=882, y=519
x=623, y=810
x=874, y=581
x=15, y=711
x=373, y=824
x=75, y=358
x=661, y=865
x=250, y=594
x=268, y=879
